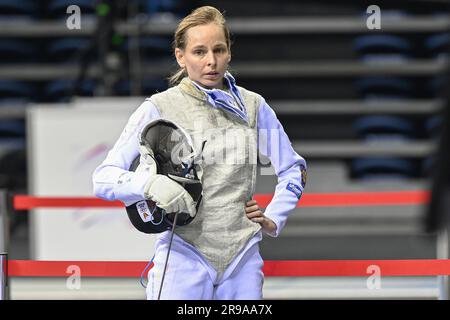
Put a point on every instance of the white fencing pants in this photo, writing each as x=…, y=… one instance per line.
x=190, y=277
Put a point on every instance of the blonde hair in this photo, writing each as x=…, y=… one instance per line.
x=200, y=16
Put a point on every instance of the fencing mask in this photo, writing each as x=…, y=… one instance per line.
x=175, y=156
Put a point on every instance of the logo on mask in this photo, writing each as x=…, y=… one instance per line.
x=144, y=211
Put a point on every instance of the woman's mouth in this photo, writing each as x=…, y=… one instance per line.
x=212, y=75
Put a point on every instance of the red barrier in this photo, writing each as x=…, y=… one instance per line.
x=343, y=199
x=347, y=199
x=24, y=202
x=272, y=268
x=25, y=268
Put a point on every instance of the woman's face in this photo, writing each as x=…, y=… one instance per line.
x=206, y=55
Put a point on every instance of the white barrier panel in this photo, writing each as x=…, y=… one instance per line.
x=65, y=145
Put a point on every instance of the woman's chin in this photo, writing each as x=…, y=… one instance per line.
x=216, y=84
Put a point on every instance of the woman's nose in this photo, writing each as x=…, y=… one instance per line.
x=211, y=59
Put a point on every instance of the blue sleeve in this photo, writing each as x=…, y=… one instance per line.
x=111, y=179
x=290, y=167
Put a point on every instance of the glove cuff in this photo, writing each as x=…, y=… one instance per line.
x=131, y=186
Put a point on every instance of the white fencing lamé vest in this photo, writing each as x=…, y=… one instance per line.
x=221, y=228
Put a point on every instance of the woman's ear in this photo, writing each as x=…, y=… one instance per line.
x=179, y=55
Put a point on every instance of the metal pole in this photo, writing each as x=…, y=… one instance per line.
x=442, y=253
x=3, y=276
x=4, y=243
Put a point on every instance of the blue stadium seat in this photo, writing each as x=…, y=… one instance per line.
x=58, y=8
x=437, y=45
x=16, y=91
x=151, y=48
x=17, y=50
x=382, y=44
x=60, y=90
x=22, y=7
x=383, y=168
x=384, y=48
x=148, y=86
x=384, y=126
x=384, y=88
x=433, y=126
x=156, y=6
x=66, y=50
x=12, y=128
x=155, y=47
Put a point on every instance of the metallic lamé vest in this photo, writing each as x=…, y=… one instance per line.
x=221, y=228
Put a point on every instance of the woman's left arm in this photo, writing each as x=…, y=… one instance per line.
x=290, y=167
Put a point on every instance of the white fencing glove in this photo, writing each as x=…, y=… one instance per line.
x=168, y=194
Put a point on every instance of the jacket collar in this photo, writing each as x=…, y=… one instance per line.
x=188, y=87
x=231, y=101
